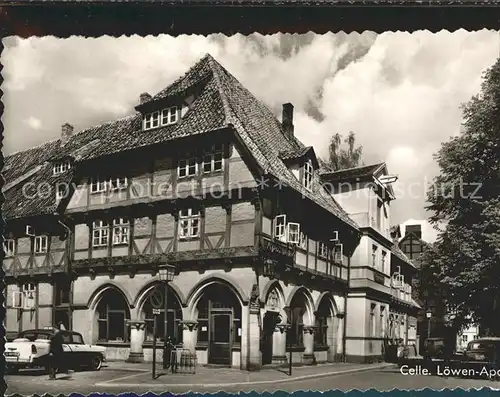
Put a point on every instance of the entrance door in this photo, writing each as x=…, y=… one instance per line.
x=220, y=339
x=268, y=326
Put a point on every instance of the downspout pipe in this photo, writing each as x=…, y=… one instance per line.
x=344, y=336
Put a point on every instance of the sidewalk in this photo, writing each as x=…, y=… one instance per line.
x=219, y=377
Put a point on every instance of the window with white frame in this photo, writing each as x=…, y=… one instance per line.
x=280, y=227
x=213, y=159
x=151, y=120
x=28, y=290
x=374, y=256
x=121, y=231
x=61, y=166
x=97, y=186
x=303, y=241
x=293, y=232
x=41, y=244
x=308, y=175
x=118, y=183
x=322, y=249
x=384, y=257
x=9, y=247
x=187, y=167
x=372, y=325
x=100, y=234
x=169, y=115
x=189, y=223
x=162, y=117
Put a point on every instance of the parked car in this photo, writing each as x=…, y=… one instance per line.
x=31, y=350
x=434, y=348
x=483, y=350
x=483, y=353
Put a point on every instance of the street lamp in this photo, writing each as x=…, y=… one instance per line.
x=166, y=274
x=429, y=316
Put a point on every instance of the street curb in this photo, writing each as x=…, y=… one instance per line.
x=260, y=382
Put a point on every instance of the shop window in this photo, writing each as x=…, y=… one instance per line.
x=218, y=299
x=174, y=318
x=113, y=314
x=322, y=316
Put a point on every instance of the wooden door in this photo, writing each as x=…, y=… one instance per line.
x=220, y=338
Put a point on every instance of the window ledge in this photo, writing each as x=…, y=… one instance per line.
x=189, y=239
x=113, y=343
x=299, y=349
x=186, y=178
x=213, y=173
x=201, y=347
x=120, y=244
x=321, y=348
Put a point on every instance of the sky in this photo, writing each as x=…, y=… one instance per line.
x=400, y=93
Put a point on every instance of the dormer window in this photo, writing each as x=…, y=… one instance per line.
x=307, y=178
x=159, y=118
x=61, y=166
x=213, y=159
x=8, y=247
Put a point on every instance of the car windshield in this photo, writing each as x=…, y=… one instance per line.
x=32, y=336
x=480, y=345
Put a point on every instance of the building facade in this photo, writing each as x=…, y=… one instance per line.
x=380, y=274
x=204, y=178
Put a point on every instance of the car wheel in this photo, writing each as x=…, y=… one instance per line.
x=96, y=363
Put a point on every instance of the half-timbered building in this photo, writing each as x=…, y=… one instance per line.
x=202, y=177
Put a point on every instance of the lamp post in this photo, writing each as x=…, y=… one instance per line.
x=166, y=274
x=429, y=316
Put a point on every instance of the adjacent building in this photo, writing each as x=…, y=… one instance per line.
x=204, y=178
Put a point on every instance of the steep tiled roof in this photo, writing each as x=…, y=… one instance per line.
x=222, y=102
x=351, y=173
x=401, y=255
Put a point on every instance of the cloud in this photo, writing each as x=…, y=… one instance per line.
x=33, y=122
x=399, y=92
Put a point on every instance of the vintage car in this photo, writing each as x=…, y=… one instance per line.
x=31, y=350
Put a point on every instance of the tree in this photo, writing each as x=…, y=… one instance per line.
x=340, y=158
x=465, y=195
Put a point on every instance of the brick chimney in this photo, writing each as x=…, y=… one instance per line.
x=144, y=97
x=287, y=120
x=415, y=229
x=66, y=132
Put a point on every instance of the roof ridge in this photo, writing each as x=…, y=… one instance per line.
x=218, y=84
x=30, y=148
x=103, y=124
x=358, y=167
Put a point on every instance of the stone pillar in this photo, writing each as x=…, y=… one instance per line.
x=189, y=334
x=279, y=344
x=254, y=354
x=340, y=337
x=136, y=354
x=309, y=357
x=331, y=339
